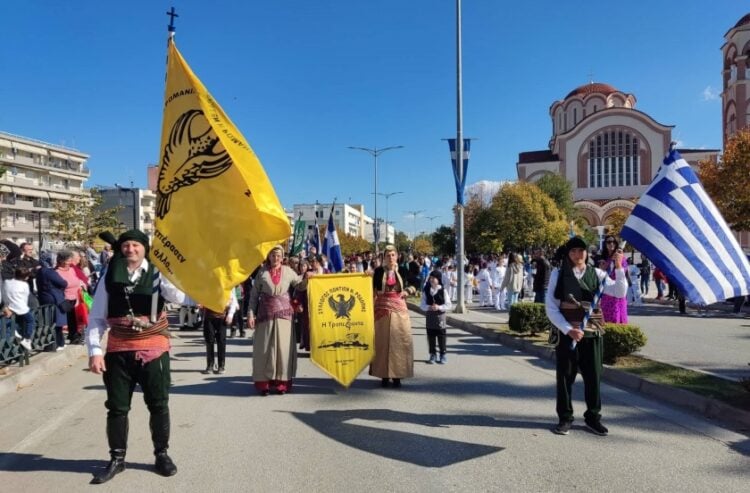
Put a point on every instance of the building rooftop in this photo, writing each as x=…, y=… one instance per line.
x=592, y=88
x=537, y=157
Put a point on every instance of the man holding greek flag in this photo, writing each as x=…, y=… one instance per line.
x=332, y=247
x=678, y=227
x=573, y=289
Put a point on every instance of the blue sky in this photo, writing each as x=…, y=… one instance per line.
x=304, y=79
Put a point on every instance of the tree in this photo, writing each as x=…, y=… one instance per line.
x=617, y=221
x=82, y=219
x=401, y=241
x=423, y=244
x=727, y=180
x=560, y=191
x=351, y=245
x=444, y=241
x=522, y=216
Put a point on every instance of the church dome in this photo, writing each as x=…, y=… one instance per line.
x=592, y=88
x=743, y=21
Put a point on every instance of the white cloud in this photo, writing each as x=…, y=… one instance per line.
x=710, y=94
x=485, y=189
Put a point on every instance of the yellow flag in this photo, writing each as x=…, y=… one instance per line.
x=217, y=215
x=341, y=324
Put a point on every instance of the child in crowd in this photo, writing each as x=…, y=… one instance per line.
x=16, y=296
x=435, y=302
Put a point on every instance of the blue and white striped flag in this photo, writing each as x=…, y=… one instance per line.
x=332, y=247
x=677, y=226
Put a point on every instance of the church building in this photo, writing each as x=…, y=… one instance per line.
x=606, y=148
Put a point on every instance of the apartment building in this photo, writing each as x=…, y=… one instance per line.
x=37, y=175
x=137, y=207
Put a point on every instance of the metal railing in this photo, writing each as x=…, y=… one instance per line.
x=44, y=336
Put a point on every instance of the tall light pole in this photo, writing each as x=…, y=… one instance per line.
x=375, y=152
x=460, y=304
x=414, y=215
x=387, y=196
x=431, y=219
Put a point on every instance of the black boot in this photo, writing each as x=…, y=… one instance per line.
x=117, y=435
x=160, y=436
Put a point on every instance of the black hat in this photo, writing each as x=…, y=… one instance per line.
x=133, y=235
x=576, y=242
x=437, y=275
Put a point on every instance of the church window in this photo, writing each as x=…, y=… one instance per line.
x=613, y=160
x=575, y=116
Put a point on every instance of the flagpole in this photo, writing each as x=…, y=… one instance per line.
x=156, y=284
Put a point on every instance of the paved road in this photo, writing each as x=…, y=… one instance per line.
x=479, y=423
x=717, y=344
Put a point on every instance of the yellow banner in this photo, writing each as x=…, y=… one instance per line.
x=341, y=324
x=217, y=214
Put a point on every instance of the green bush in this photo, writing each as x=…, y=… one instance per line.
x=622, y=340
x=528, y=317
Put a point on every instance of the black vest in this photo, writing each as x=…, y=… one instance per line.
x=434, y=320
x=117, y=305
x=438, y=299
x=582, y=289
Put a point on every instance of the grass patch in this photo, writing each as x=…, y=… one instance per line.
x=733, y=393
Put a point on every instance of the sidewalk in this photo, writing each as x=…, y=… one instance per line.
x=485, y=322
x=14, y=377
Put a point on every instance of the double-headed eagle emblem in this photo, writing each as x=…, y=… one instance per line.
x=341, y=307
x=193, y=153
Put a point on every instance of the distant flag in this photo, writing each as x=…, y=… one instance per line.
x=332, y=247
x=217, y=214
x=460, y=184
x=315, y=241
x=298, y=238
x=677, y=226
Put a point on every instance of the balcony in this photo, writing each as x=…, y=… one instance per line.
x=19, y=160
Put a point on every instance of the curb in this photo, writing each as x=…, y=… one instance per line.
x=41, y=364
x=708, y=407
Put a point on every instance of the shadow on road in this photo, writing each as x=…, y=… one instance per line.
x=13, y=462
x=418, y=449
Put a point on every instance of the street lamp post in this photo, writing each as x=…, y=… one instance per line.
x=460, y=305
x=375, y=152
x=40, y=229
x=414, y=215
x=431, y=218
x=387, y=196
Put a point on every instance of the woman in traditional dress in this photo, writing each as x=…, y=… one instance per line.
x=394, y=351
x=614, y=310
x=271, y=312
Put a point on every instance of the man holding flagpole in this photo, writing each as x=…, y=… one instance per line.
x=130, y=302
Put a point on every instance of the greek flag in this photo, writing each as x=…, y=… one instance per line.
x=677, y=226
x=332, y=247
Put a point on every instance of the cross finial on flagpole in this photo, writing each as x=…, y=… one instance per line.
x=172, y=14
x=591, y=77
